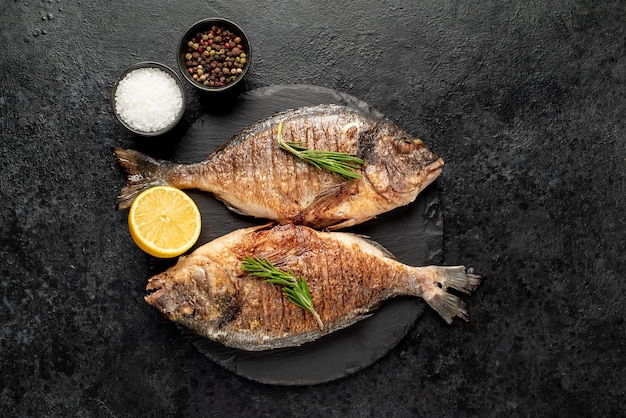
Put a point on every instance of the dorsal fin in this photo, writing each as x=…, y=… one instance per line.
x=377, y=245
x=367, y=240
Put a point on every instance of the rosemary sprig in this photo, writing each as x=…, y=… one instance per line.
x=344, y=164
x=293, y=287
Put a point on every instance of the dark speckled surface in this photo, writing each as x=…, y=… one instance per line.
x=526, y=102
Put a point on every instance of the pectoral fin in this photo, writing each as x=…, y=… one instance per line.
x=328, y=196
x=328, y=208
x=235, y=209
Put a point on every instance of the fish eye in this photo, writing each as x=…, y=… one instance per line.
x=405, y=146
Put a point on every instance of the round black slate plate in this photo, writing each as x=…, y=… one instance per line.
x=412, y=233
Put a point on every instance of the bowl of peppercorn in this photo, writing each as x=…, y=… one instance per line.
x=214, y=55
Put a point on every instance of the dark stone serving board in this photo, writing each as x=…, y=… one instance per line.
x=412, y=233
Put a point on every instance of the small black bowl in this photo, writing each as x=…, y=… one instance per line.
x=135, y=128
x=203, y=26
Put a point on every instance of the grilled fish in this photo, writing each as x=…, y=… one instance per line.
x=253, y=176
x=347, y=275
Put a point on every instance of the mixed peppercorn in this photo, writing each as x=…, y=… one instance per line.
x=215, y=57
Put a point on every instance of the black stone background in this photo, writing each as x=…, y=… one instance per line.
x=524, y=100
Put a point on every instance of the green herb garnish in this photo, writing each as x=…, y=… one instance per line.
x=346, y=165
x=293, y=287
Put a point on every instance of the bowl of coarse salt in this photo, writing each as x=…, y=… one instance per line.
x=149, y=98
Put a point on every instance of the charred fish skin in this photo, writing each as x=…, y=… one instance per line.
x=347, y=275
x=253, y=176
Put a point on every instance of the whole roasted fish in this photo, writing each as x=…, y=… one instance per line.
x=348, y=276
x=253, y=176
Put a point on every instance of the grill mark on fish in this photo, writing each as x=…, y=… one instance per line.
x=298, y=175
x=282, y=320
x=259, y=154
x=344, y=297
x=325, y=284
x=253, y=161
x=309, y=134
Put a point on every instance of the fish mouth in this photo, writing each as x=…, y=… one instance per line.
x=432, y=175
x=433, y=170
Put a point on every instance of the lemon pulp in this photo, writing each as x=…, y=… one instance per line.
x=164, y=221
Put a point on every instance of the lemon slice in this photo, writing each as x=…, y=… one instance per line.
x=164, y=221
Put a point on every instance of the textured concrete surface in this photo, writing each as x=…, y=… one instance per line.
x=526, y=102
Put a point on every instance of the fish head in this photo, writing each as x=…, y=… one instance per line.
x=400, y=166
x=194, y=292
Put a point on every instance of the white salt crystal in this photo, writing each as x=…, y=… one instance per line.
x=148, y=99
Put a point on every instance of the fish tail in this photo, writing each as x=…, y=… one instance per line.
x=447, y=304
x=143, y=172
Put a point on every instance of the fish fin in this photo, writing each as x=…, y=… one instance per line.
x=384, y=251
x=323, y=202
x=143, y=172
x=343, y=224
x=328, y=194
x=447, y=304
x=235, y=209
x=264, y=227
